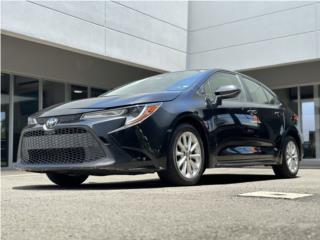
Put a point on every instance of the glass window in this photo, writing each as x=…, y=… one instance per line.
x=5, y=83
x=53, y=93
x=317, y=121
x=175, y=81
x=308, y=121
x=207, y=90
x=309, y=112
x=78, y=92
x=256, y=92
x=95, y=92
x=271, y=98
x=222, y=79
x=26, y=91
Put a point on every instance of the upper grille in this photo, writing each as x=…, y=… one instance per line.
x=61, y=119
x=59, y=131
x=60, y=146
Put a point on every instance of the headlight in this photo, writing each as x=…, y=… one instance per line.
x=32, y=121
x=133, y=115
x=114, y=113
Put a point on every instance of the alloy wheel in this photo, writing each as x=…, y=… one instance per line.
x=188, y=155
x=292, y=157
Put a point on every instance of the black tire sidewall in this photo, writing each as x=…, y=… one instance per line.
x=66, y=180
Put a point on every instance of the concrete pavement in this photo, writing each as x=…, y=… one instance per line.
x=141, y=207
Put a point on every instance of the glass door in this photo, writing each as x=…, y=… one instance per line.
x=53, y=93
x=317, y=120
x=26, y=96
x=305, y=101
x=78, y=92
x=308, y=121
x=5, y=86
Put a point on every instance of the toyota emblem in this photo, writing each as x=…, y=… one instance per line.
x=51, y=123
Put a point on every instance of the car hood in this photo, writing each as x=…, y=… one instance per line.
x=105, y=102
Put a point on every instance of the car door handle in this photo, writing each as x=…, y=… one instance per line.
x=278, y=114
x=252, y=112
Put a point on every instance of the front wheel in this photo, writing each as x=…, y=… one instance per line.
x=290, y=160
x=185, y=159
x=67, y=180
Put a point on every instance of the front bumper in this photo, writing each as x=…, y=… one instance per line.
x=91, y=147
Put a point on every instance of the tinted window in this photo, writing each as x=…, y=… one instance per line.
x=26, y=102
x=271, y=98
x=53, y=93
x=256, y=92
x=175, y=81
x=95, y=92
x=78, y=92
x=5, y=82
x=222, y=79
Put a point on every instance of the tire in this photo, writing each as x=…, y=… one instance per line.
x=290, y=160
x=193, y=165
x=66, y=180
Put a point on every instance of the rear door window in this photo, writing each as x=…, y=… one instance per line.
x=271, y=98
x=255, y=91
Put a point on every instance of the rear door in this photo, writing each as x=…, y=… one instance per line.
x=269, y=116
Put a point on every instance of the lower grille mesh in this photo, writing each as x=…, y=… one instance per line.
x=61, y=155
x=60, y=146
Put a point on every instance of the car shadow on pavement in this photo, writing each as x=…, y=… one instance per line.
x=207, y=179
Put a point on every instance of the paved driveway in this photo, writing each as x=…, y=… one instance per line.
x=140, y=207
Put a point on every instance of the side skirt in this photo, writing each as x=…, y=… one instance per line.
x=245, y=163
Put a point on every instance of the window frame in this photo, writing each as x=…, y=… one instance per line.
x=277, y=101
x=244, y=97
x=265, y=89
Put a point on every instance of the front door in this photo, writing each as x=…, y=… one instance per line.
x=230, y=124
x=236, y=132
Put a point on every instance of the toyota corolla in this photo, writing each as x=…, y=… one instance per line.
x=176, y=124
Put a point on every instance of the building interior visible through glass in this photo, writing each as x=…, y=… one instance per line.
x=306, y=103
x=22, y=96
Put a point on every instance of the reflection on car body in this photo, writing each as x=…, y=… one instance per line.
x=177, y=124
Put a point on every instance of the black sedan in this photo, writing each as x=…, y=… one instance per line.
x=176, y=124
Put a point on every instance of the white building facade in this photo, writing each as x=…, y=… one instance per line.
x=55, y=52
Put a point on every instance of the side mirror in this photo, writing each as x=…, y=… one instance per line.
x=227, y=91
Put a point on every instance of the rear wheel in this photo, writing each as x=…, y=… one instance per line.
x=67, y=180
x=290, y=160
x=185, y=159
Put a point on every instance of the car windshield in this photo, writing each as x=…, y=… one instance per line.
x=175, y=81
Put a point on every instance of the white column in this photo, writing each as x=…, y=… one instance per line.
x=40, y=94
x=299, y=109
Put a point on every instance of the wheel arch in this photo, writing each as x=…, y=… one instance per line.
x=196, y=122
x=294, y=133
